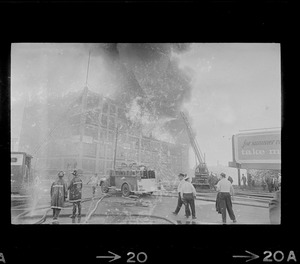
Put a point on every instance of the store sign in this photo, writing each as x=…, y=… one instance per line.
x=258, y=147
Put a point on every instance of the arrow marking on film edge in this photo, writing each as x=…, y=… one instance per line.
x=115, y=256
x=252, y=257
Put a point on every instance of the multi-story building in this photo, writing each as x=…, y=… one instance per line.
x=94, y=134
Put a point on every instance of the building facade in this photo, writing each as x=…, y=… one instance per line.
x=94, y=134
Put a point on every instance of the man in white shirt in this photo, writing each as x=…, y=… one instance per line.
x=179, y=202
x=188, y=194
x=224, y=187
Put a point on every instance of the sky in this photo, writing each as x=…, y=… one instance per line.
x=224, y=87
x=235, y=87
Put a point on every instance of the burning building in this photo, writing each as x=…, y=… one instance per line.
x=138, y=123
x=95, y=134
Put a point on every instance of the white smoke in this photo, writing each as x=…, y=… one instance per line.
x=152, y=125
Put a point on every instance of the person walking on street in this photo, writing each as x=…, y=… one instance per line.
x=244, y=179
x=59, y=193
x=94, y=182
x=179, y=201
x=75, y=188
x=225, y=189
x=188, y=194
x=218, y=205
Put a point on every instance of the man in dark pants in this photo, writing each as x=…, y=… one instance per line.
x=75, y=188
x=179, y=201
x=59, y=194
x=226, y=190
x=188, y=194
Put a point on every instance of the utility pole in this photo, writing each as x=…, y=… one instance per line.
x=83, y=113
x=87, y=71
x=116, y=145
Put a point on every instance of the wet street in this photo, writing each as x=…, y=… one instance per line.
x=112, y=208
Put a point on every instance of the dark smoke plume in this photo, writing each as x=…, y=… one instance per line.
x=150, y=82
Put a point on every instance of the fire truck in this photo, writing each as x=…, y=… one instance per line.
x=200, y=181
x=130, y=179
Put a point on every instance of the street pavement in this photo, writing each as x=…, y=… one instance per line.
x=146, y=209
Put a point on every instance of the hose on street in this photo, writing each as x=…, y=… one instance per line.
x=48, y=208
x=95, y=208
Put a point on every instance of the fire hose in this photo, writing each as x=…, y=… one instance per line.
x=43, y=218
x=48, y=209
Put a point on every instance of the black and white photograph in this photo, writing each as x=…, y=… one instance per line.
x=146, y=133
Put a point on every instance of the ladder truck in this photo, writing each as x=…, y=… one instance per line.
x=200, y=181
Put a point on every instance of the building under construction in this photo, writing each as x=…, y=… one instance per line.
x=92, y=132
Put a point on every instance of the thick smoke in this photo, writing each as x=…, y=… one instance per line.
x=144, y=78
x=151, y=84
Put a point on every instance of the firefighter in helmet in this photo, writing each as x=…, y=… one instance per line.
x=75, y=188
x=59, y=194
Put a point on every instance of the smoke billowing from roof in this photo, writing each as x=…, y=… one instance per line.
x=143, y=77
x=150, y=83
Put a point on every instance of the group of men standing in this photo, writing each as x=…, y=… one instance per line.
x=187, y=195
x=59, y=194
x=272, y=182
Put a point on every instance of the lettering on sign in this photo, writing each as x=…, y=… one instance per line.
x=258, y=147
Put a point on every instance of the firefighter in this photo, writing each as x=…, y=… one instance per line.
x=75, y=194
x=59, y=194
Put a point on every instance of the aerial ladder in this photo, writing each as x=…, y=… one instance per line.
x=200, y=181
